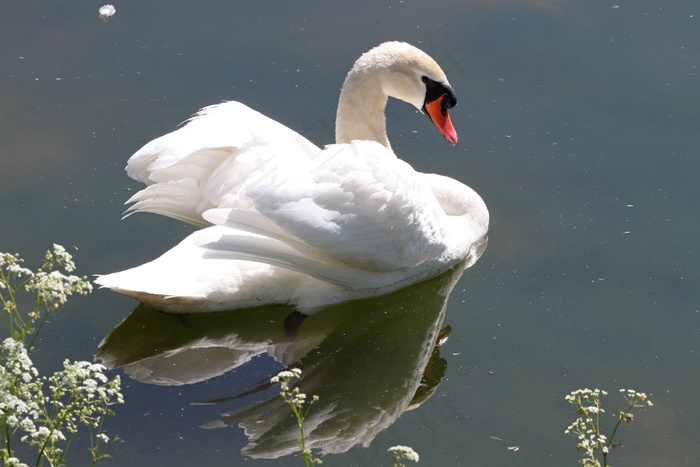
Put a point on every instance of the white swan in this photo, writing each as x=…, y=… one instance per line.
x=290, y=223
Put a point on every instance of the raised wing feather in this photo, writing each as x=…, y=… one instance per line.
x=204, y=164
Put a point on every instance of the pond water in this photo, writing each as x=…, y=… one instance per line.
x=579, y=125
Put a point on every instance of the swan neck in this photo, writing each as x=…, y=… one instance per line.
x=361, y=109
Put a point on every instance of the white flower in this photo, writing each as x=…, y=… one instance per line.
x=27, y=424
x=283, y=378
x=43, y=410
x=61, y=256
x=404, y=452
x=288, y=374
x=14, y=462
x=298, y=398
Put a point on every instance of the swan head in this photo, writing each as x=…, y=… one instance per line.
x=402, y=71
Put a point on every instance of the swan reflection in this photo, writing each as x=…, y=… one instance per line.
x=368, y=361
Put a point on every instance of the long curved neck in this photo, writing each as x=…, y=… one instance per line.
x=361, y=109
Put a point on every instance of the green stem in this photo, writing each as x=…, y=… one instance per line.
x=7, y=436
x=302, y=441
x=12, y=307
x=18, y=327
x=95, y=443
x=66, y=411
x=619, y=420
x=41, y=324
x=597, y=432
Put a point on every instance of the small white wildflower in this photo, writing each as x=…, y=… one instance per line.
x=43, y=433
x=27, y=424
x=19, y=270
x=103, y=437
x=62, y=257
x=101, y=377
x=47, y=408
x=14, y=462
x=283, y=378
x=404, y=452
x=636, y=399
x=298, y=398
x=288, y=374
x=90, y=383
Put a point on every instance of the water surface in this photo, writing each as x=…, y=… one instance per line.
x=579, y=127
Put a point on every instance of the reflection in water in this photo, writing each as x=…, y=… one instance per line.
x=368, y=361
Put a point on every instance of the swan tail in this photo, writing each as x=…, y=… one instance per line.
x=172, y=199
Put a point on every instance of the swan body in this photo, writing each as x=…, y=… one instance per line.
x=286, y=222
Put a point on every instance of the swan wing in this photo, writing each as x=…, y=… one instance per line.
x=356, y=204
x=205, y=163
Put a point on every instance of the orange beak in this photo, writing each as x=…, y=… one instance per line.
x=437, y=112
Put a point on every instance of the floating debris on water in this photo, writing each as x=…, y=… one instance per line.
x=107, y=11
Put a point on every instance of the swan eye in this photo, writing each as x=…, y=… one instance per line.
x=435, y=90
x=425, y=79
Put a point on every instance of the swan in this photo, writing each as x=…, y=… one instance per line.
x=286, y=222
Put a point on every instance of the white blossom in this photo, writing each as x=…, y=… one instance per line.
x=404, y=452
x=40, y=410
x=587, y=429
x=14, y=462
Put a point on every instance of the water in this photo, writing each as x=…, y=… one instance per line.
x=579, y=127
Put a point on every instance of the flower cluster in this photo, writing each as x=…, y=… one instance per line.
x=587, y=428
x=283, y=378
x=17, y=405
x=291, y=396
x=296, y=400
x=402, y=453
x=49, y=286
x=47, y=411
x=634, y=399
